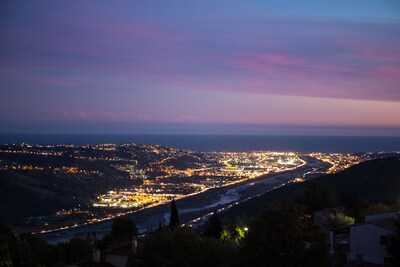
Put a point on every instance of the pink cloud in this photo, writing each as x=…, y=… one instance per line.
x=382, y=55
x=285, y=65
x=389, y=70
x=85, y=52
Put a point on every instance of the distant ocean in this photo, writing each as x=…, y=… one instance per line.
x=340, y=144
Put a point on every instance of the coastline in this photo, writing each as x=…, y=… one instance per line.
x=232, y=143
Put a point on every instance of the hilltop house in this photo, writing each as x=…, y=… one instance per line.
x=367, y=240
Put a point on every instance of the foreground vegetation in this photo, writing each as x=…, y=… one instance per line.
x=284, y=235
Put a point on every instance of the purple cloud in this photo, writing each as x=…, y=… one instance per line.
x=134, y=63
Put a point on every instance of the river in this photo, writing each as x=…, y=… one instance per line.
x=194, y=210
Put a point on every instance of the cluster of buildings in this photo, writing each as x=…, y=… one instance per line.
x=132, y=199
x=364, y=244
x=338, y=161
x=226, y=168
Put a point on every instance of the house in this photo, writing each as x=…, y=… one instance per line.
x=367, y=240
x=118, y=256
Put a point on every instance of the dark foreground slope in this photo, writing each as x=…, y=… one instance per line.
x=374, y=181
x=28, y=193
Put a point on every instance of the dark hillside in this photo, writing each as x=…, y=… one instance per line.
x=27, y=193
x=374, y=181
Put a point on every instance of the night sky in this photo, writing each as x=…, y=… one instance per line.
x=200, y=67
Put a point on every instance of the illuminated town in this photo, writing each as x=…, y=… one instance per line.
x=99, y=182
x=219, y=169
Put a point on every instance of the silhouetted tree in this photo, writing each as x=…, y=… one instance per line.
x=181, y=247
x=122, y=230
x=279, y=238
x=174, y=219
x=350, y=200
x=213, y=226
